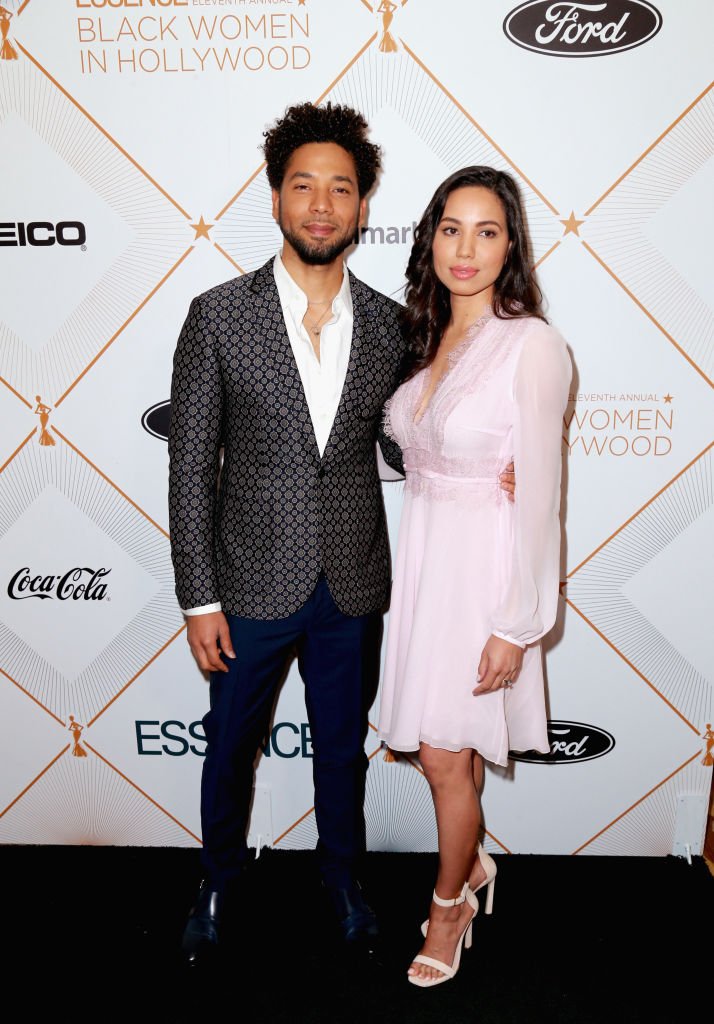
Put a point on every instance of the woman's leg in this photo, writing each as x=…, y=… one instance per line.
x=477, y=873
x=458, y=819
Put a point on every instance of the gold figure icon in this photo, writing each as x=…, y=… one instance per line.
x=708, y=758
x=387, y=9
x=43, y=411
x=76, y=729
x=8, y=52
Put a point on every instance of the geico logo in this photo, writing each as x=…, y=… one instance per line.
x=570, y=742
x=79, y=582
x=287, y=739
x=131, y=3
x=173, y=732
x=42, y=232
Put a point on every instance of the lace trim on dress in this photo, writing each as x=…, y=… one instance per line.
x=479, y=361
x=448, y=479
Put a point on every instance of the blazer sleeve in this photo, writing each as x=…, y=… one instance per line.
x=541, y=387
x=195, y=430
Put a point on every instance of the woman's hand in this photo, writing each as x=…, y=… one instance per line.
x=499, y=665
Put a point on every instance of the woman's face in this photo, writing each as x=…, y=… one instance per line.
x=471, y=243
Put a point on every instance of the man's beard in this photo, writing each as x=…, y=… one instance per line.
x=318, y=253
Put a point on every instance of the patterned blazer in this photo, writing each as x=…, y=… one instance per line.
x=255, y=531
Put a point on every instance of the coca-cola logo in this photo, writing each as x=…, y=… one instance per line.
x=568, y=29
x=79, y=583
x=155, y=420
x=569, y=742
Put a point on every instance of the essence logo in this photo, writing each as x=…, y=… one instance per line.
x=173, y=733
x=155, y=420
x=80, y=583
x=582, y=29
x=569, y=742
x=41, y=233
x=173, y=737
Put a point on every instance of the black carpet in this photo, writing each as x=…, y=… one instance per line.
x=94, y=933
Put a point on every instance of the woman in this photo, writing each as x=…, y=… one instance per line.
x=476, y=577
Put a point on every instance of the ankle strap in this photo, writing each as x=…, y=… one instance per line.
x=457, y=900
x=466, y=894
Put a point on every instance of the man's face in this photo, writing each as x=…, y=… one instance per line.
x=318, y=208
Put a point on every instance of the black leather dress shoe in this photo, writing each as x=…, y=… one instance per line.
x=357, y=920
x=200, y=937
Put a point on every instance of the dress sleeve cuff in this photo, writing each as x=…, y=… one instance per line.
x=510, y=639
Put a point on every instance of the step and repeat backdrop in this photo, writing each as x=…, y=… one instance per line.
x=132, y=179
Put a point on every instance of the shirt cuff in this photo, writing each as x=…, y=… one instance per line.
x=203, y=610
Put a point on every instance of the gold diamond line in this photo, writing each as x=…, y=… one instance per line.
x=478, y=126
x=638, y=512
x=647, y=313
x=649, y=149
x=19, y=448
x=126, y=323
x=36, y=779
x=31, y=697
x=636, y=804
x=136, y=675
x=109, y=481
x=104, y=132
x=140, y=790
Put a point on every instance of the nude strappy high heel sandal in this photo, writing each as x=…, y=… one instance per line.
x=447, y=970
x=489, y=866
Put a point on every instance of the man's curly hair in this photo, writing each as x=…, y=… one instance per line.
x=336, y=123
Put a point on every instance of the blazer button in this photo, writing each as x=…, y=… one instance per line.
x=321, y=473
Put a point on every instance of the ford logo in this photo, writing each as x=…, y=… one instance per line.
x=569, y=742
x=156, y=420
x=572, y=29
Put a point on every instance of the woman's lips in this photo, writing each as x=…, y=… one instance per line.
x=464, y=273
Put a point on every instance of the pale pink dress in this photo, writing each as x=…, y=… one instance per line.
x=470, y=563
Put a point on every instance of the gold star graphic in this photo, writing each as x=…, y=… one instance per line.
x=668, y=399
x=202, y=229
x=572, y=224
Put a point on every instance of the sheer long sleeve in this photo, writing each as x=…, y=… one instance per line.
x=541, y=387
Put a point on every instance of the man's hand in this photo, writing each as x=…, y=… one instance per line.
x=499, y=665
x=508, y=481
x=208, y=637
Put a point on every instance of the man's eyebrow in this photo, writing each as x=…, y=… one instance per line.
x=310, y=174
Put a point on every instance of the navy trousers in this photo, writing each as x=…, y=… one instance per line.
x=338, y=660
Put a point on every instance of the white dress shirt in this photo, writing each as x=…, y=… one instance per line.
x=323, y=378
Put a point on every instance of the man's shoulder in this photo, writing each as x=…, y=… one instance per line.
x=363, y=292
x=236, y=288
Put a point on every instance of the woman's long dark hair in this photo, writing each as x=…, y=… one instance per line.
x=427, y=308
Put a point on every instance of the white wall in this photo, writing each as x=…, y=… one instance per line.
x=614, y=155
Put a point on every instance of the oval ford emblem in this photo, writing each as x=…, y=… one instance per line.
x=156, y=420
x=569, y=742
x=564, y=29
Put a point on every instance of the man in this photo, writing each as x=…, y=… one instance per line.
x=283, y=544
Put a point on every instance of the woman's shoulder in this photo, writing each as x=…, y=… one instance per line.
x=539, y=334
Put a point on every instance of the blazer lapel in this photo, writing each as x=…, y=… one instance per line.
x=267, y=315
x=363, y=311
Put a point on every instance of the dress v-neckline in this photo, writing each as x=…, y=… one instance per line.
x=451, y=359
